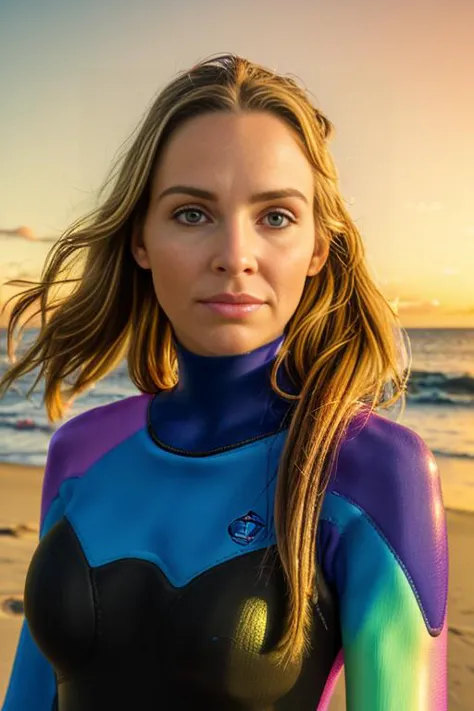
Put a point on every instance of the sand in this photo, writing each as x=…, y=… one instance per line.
x=19, y=506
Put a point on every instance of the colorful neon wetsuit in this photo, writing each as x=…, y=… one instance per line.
x=144, y=590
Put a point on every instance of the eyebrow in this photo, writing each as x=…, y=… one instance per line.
x=207, y=195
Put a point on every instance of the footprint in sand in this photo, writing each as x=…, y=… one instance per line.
x=11, y=606
x=465, y=634
x=20, y=530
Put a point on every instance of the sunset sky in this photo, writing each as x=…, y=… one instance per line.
x=395, y=77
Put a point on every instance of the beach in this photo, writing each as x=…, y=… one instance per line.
x=20, y=488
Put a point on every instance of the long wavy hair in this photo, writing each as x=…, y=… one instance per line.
x=342, y=347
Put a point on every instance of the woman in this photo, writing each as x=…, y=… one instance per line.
x=232, y=536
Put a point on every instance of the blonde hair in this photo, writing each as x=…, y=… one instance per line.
x=342, y=344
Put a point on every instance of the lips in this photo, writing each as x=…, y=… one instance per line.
x=233, y=299
x=232, y=310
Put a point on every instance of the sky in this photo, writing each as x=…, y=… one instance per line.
x=394, y=77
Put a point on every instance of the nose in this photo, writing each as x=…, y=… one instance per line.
x=235, y=249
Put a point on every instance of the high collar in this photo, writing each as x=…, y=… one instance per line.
x=220, y=400
x=206, y=379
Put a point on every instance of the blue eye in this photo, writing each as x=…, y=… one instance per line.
x=184, y=211
x=280, y=214
x=197, y=211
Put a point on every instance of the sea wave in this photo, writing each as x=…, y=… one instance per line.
x=20, y=425
x=438, y=388
x=453, y=455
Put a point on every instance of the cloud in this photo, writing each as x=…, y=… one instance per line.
x=24, y=232
x=417, y=305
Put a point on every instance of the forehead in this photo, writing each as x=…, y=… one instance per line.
x=223, y=146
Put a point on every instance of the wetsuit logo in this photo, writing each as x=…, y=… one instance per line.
x=245, y=529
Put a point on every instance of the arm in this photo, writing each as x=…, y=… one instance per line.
x=392, y=585
x=33, y=683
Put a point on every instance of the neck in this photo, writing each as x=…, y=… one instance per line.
x=220, y=401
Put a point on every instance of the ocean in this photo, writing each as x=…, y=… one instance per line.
x=440, y=401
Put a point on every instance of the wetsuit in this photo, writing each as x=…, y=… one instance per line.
x=145, y=593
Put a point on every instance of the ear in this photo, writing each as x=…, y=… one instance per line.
x=320, y=256
x=138, y=248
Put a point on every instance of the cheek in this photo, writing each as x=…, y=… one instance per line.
x=173, y=274
x=291, y=273
x=289, y=282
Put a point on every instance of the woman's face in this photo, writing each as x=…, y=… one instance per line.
x=197, y=247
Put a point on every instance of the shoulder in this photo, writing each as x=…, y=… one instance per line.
x=82, y=440
x=387, y=477
x=109, y=423
x=379, y=456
